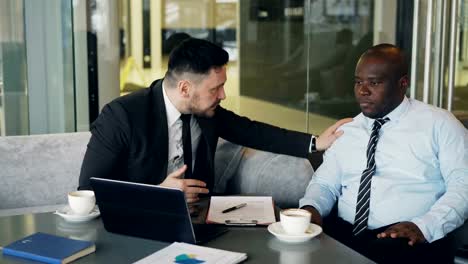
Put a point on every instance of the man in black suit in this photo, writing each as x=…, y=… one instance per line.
x=167, y=134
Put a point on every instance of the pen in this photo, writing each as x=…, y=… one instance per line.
x=234, y=208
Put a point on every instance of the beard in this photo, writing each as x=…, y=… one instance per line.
x=202, y=112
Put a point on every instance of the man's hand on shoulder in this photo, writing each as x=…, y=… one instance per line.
x=405, y=230
x=316, y=217
x=329, y=136
x=190, y=187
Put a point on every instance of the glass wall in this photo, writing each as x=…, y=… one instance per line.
x=301, y=54
x=13, y=84
x=37, y=77
x=440, y=63
x=285, y=55
x=291, y=61
x=460, y=90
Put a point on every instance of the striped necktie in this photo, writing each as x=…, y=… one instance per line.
x=363, y=199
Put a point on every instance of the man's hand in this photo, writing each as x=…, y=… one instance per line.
x=316, y=217
x=328, y=136
x=190, y=187
x=404, y=229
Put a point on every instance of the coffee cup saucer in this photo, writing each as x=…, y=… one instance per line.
x=67, y=214
x=277, y=230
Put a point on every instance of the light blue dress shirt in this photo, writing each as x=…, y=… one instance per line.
x=421, y=175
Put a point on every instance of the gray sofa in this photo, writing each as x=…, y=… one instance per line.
x=37, y=171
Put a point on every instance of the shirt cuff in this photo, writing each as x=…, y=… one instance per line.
x=425, y=230
x=311, y=202
x=434, y=227
x=312, y=144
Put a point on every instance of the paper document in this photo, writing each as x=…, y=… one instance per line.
x=257, y=208
x=187, y=253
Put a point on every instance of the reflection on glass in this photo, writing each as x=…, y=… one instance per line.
x=441, y=56
x=460, y=94
x=13, y=88
x=2, y=119
x=37, y=91
x=312, y=61
x=295, y=252
x=215, y=21
x=286, y=56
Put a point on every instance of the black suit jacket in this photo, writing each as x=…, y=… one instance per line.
x=130, y=139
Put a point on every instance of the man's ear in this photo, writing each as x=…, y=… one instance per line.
x=183, y=87
x=404, y=83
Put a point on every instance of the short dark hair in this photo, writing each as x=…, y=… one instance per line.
x=195, y=56
x=173, y=41
x=393, y=54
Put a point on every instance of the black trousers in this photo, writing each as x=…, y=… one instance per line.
x=387, y=250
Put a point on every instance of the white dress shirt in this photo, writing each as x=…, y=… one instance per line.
x=174, y=124
x=421, y=171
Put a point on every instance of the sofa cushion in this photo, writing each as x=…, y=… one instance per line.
x=227, y=159
x=285, y=178
x=40, y=169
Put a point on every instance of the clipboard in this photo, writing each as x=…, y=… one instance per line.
x=258, y=211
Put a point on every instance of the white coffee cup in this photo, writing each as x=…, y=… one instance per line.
x=295, y=221
x=81, y=202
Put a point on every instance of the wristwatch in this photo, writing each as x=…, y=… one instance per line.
x=313, y=145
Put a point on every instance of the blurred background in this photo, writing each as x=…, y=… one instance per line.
x=291, y=61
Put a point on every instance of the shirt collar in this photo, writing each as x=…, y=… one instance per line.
x=394, y=115
x=171, y=111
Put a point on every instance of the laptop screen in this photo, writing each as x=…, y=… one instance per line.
x=143, y=210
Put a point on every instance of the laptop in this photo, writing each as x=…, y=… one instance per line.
x=149, y=211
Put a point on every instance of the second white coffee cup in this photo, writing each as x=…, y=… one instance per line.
x=295, y=221
x=81, y=202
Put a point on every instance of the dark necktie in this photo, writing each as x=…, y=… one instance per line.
x=363, y=199
x=187, y=144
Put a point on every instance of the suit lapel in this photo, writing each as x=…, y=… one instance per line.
x=160, y=131
x=209, y=138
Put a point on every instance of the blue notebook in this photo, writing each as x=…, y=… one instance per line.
x=49, y=248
